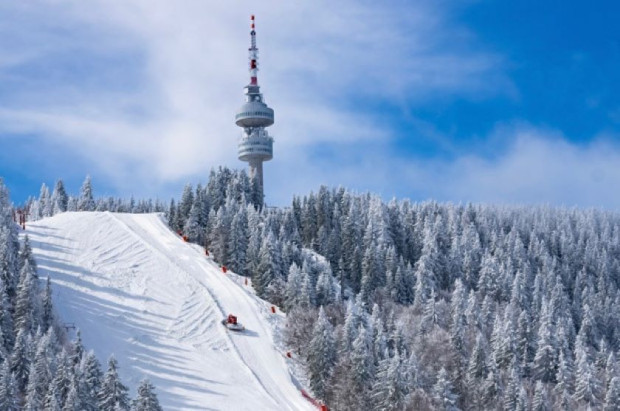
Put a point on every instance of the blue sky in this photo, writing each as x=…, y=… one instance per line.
x=484, y=101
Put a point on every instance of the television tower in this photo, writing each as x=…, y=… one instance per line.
x=255, y=145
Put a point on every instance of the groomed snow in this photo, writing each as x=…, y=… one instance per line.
x=136, y=290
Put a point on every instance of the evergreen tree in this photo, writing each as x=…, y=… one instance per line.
x=20, y=360
x=443, y=392
x=426, y=268
x=541, y=398
x=90, y=381
x=325, y=288
x=40, y=377
x=172, y=216
x=321, y=354
x=185, y=206
x=47, y=314
x=389, y=389
x=362, y=366
x=293, y=285
x=587, y=386
x=146, y=399
x=86, y=201
x=268, y=267
x=62, y=381
x=477, y=368
x=193, y=230
x=60, y=199
x=612, y=399
x=546, y=359
x=523, y=401
x=9, y=391
x=26, y=255
x=73, y=401
x=25, y=306
x=45, y=203
x=53, y=402
x=113, y=394
x=238, y=241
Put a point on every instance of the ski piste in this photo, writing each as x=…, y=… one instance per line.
x=135, y=289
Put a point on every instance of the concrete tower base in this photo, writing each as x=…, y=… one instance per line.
x=256, y=171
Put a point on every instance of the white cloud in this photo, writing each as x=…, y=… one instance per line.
x=536, y=166
x=146, y=90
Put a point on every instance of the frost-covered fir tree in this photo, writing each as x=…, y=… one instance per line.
x=587, y=384
x=389, y=387
x=321, y=354
x=443, y=392
x=90, y=380
x=86, y=201
x=47, y=306
x=612, y=399
x=60, y=199
x=146, y=399
x=362, y=365
x=113, y=394
x=20, y=360
x=546, y=359
x=268, y=267
x=238, y=240
x=541, y=398
x=9, y=391
x=26, y=307
x=40, y=376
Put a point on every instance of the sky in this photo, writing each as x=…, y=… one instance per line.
x=461, y=101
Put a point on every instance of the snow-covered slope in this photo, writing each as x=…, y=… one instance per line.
x=136, y=290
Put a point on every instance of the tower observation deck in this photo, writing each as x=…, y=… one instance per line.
x=255, y=145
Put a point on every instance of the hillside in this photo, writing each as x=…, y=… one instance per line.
x=136, y=290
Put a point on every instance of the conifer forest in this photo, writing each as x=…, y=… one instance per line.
x=390, y=306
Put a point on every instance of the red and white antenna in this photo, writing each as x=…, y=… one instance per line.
x=253, y=54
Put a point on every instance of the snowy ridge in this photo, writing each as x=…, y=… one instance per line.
x=136, y=290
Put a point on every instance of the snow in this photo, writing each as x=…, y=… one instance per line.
x=135, y=289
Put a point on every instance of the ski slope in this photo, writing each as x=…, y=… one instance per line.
x=135, y=289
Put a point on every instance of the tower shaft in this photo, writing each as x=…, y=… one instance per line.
x=256, y=172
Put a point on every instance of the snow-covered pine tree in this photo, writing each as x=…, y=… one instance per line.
x=90, y=380
x=587, y=385
x=26, y=308
x=321, y=356
x=40, y=377
x=541, y=398
x=9, y=391
x=146, y=400
x=268, y=266
x=389, y=390
x=20, y=360
x=193, y=230
x=238, y=240
x=546, y=359
x=185, y=206
x=45, y=204
x=60, y=199
x=47, y=306
x=612, y=399
x=362, y=366
x=86, y=201
x=113, y=394
x=443, y=393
